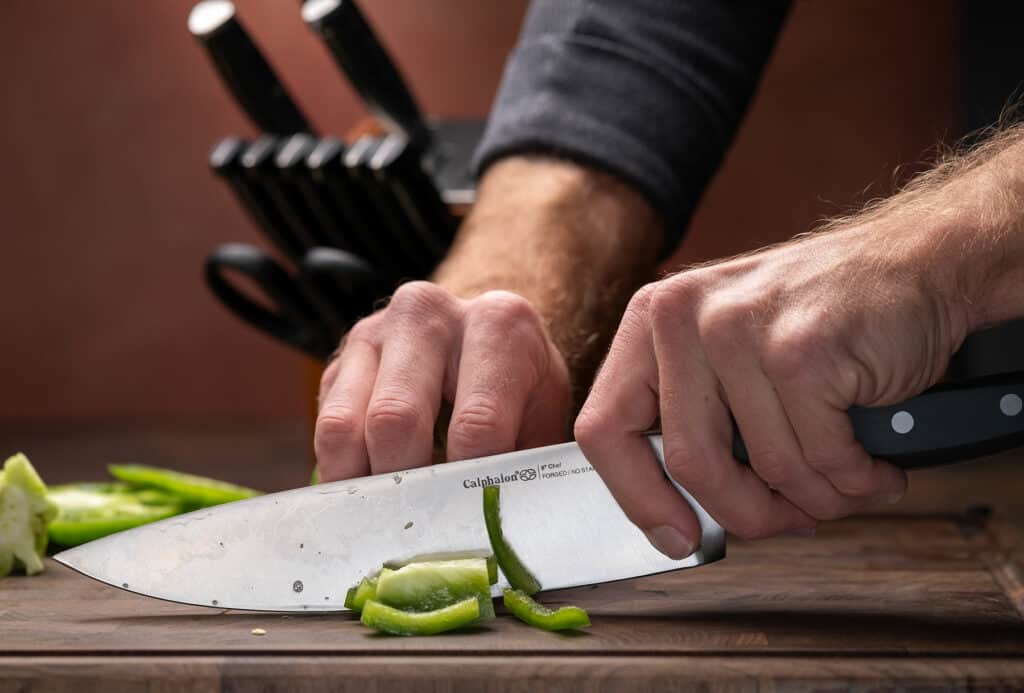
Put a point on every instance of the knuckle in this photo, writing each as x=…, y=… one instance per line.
x=419, y=297
x=791, y=357
x=477, y=425
x=336, y=428
x=676, y=297
x=590, y=427
x=362, y=331
x=391, y=418
x=773, y=468
x=692, y=470
x=505, y=307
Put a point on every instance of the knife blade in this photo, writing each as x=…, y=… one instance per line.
x=300, y=550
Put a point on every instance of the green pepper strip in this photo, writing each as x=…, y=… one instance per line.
x=539, y=616
x=196, y=491
x=492, y=569
x=518, y=576
x=357, y=596
x=397, y=622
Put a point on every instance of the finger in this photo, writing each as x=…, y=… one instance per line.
x=407, y=394
x=775, y=452
x=338, y=439
x=547, y=416
x=827, y=438
x=698, y=438
x=504, y=362
x=622, y=404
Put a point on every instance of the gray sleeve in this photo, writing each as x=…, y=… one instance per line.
x=651, y=91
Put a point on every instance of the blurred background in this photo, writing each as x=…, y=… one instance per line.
x=109, y=207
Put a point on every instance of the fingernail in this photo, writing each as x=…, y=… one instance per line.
x=803, y=532
x=670, y=542
x=896, y=497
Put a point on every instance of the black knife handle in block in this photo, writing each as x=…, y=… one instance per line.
x=226, y=161
x=395, y=247
x=398, y=166
x=294, y=320
x=259, y=162
x=358, y=51
x=948, y=423
x=244, y=70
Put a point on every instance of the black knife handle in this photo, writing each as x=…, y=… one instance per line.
x=947, y=423
x=358, y=51
x=244, y=70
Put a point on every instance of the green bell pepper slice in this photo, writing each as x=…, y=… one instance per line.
x=517, y=574
x=397, y=622
x=537, y=615
x=433, y=585
x=195, y=491
x=357, y=596
x=25, y=511
x=87, y=511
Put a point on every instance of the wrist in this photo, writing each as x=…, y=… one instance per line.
x=573, y=241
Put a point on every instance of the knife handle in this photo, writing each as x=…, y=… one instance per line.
x=948, y=423
x=360, y=54
x=226, y=162
x=244, y=70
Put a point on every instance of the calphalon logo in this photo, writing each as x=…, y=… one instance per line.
x=481, y=481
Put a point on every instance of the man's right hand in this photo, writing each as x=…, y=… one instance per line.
x=489, y=356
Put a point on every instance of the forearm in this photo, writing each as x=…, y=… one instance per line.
x=573, y=241
x=963, y=223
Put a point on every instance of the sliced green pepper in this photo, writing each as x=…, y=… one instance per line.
x=357, y=596
x=539, y=616
x=25, y=511
x=492, y=569
x=433, y=585
x=88, y=511
x=195, y=491
x=518, y=576
x=397, y=622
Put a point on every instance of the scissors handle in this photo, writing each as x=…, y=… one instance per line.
x=293, y=317
x=350, y=282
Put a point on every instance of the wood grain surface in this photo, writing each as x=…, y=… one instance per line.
x=883, y=600
x=903, y=601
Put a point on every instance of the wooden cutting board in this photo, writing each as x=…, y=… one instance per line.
x=878, y=601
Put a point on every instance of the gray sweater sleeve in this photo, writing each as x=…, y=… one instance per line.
x=651, y=91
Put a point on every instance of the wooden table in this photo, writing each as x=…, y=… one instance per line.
x=887, y=601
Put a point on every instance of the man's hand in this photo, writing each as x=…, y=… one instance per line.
x=786, y=340
x=490, y=356
x=521, y=309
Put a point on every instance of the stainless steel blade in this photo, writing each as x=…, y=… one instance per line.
x=302, y=549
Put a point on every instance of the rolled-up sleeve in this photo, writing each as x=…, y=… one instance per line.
x=651, y=91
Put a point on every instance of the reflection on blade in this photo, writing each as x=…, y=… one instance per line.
x=302, y=549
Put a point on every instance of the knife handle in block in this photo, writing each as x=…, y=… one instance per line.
x=244, y=70
x=948, y=423
x=360, y=54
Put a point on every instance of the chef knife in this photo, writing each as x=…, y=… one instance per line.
x=357, y=50
x=300, y=550
x=244, y=70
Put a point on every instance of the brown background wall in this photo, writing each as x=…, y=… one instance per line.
x=108, y=210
